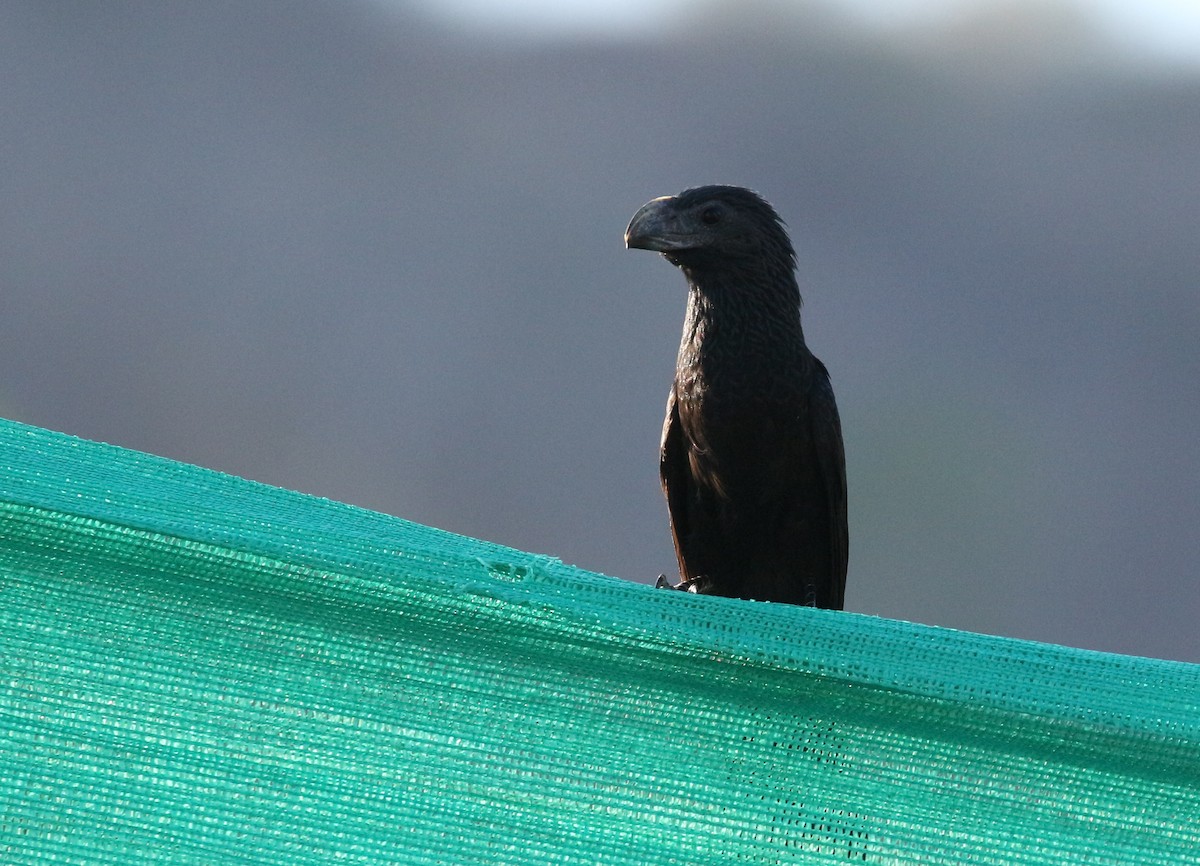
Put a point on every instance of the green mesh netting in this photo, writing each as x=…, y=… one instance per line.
x=199, y=669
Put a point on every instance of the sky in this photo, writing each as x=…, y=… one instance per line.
x=354, y=254
x=1168, y=28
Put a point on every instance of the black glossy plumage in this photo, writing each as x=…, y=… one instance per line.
x=752, y=462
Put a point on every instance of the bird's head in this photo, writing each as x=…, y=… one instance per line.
x=712, y=227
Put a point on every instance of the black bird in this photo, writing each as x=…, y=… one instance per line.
x=751, y=461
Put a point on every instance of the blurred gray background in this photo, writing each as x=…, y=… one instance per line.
x=371, y=250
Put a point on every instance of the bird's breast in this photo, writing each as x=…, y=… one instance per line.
x=742, y=446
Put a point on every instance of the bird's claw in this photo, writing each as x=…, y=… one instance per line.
x=695, y=585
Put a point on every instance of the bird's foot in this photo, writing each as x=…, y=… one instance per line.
x=697, y=585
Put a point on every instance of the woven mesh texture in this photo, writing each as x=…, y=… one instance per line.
x=195, y=668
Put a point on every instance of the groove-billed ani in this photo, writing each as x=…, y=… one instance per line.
x=751, y=459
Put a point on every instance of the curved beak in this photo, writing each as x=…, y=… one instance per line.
x=656, y=227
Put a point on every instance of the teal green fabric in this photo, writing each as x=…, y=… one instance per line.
x=195, y=668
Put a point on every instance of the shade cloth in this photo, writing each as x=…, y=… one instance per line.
x=196, y=668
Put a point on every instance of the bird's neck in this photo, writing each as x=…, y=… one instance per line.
x=740, y=327
x=752, y=313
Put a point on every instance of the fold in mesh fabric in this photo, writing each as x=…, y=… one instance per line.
x=195, y=668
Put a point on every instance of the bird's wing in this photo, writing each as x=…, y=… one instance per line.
x=831, y=457
x=673, y=473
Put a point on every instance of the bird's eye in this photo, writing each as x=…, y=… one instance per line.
x=710, y=216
